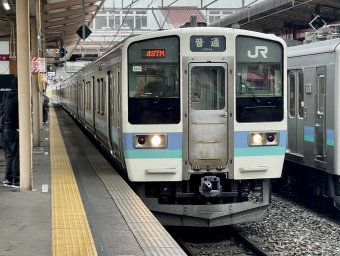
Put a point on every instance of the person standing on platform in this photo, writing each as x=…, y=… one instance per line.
x=11, y=136
x=2, y=117
x=45, y=109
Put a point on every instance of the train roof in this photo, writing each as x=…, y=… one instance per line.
x=313, y=48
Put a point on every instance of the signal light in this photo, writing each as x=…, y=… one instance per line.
x=141, y=140
x=270, y=138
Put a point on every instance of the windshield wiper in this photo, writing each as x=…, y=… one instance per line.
x=161, y=94
x=159, y=97
x=251, y=92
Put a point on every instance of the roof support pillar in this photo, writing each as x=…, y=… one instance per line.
x=24, y=93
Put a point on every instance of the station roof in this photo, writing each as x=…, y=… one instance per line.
x=282, y=17
x=178, y=16
x=60, y=18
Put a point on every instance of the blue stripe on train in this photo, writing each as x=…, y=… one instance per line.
x=174, y=149
x=309, y=135
x=241, y=148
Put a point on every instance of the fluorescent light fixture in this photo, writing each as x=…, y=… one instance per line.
x=6, y=5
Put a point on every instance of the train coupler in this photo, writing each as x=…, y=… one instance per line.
x=210, y=186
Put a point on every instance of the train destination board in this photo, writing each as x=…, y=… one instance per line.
x=207, y=43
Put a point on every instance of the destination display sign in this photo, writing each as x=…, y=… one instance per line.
x=207, y=43
x=153, y=53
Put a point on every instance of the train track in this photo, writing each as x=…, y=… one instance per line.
x=219, y=241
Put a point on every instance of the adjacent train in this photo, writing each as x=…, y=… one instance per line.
x=194, y=117
x=314, y=115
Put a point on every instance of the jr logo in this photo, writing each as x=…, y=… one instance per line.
x=262, y=49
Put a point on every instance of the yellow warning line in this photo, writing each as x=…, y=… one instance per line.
x=71, y=234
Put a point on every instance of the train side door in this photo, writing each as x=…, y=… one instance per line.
x=114, y=113
x=208, y=118
x=320, y=115
x=110, y=109
x=296, y=112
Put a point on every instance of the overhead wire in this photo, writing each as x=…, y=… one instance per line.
x=130, y=6
x=292, y=7
x=152, y=1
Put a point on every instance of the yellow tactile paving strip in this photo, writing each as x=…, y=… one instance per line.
x=71, y=234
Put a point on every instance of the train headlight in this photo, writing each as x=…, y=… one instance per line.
x=150, y=140
x=271, y=138
x=257, y=139
x=156, y=141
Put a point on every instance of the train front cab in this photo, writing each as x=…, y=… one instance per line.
x=215, y=154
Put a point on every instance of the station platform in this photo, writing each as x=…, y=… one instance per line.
x=79, y=204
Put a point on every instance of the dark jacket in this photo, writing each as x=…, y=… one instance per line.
x=11, y=117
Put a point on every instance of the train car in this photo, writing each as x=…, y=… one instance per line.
x=194, y=117
x=314, y=119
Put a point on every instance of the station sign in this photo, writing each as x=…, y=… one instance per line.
x=4, y=57
x=55, y=52
x=38, y=65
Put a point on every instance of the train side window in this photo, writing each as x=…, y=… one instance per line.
x=301, y=94
x=321, y=92
x=82, y=99
x=110, y=91
x=97, y=96
x=102, y=96
x=113, y=99
x=92, y=94
x=292, y=95
x=87, y=95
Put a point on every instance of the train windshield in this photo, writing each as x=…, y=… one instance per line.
x=154, y=81
x=259, y=80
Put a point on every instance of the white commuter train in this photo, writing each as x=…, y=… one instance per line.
x=195, y=117
x=314, y=114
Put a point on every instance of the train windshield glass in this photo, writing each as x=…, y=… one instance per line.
x=154, y=81
x=259, y=80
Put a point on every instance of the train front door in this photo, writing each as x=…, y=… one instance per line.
x=208, y=115
x=320, y=116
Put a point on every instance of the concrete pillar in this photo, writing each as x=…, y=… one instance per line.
x=35, y=86
x=41, y=54
x=24, y=91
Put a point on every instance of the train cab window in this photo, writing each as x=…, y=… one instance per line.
x=153, y=81
x=259, y=80
x=292, y=97
x=301, y=94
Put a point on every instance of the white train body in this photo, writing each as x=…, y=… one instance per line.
x=314, y=118
x=195, y=117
